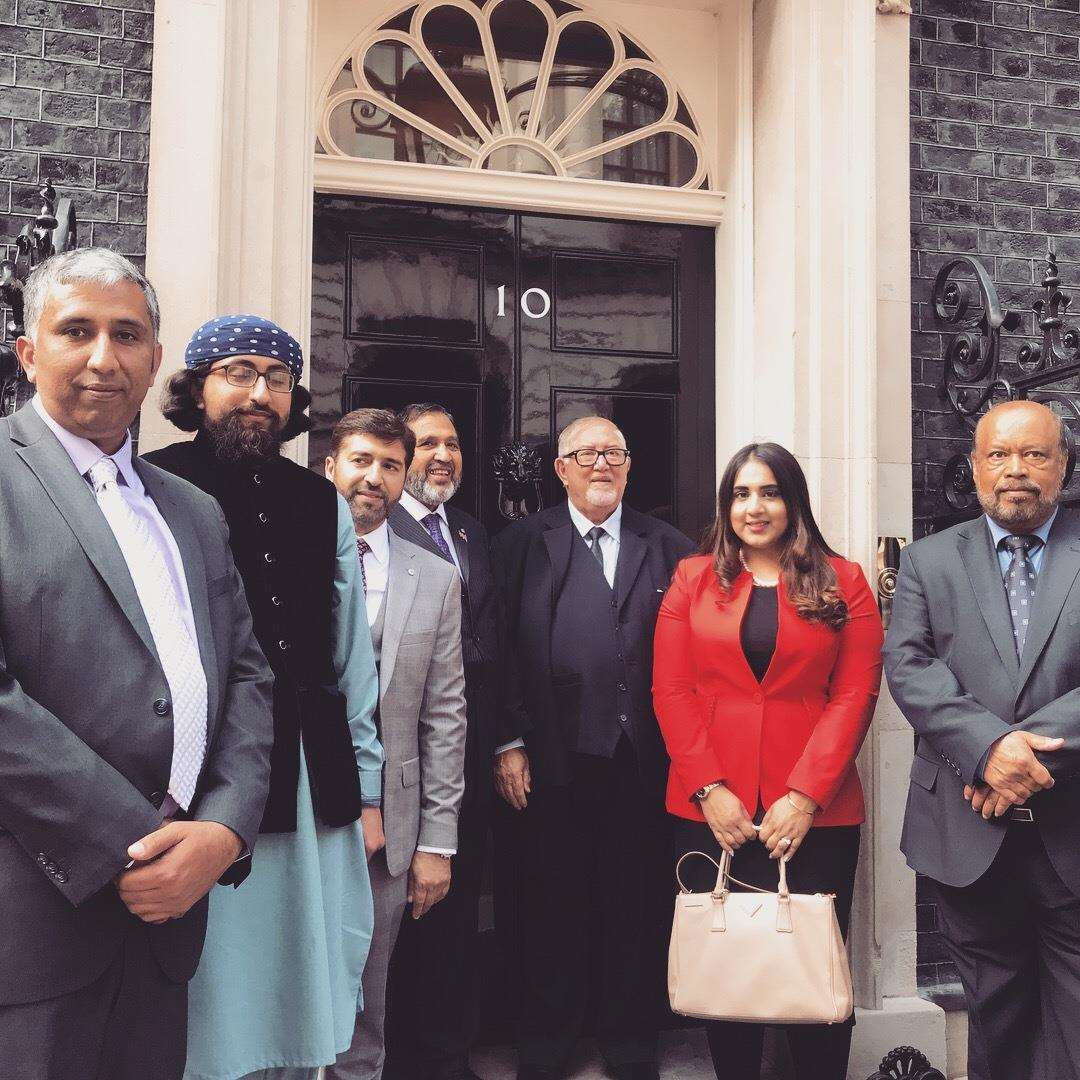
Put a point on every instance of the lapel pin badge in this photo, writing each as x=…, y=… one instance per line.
x=411, y=570
x=462, y=536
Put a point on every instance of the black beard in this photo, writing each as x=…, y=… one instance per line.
x=236, y=443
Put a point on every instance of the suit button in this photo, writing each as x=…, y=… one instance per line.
x=622, y=686
x=270, y=557
x=263, y=517
x=42, y=858
x=283, y=645
x=157, y=798
x=276, y=601
x=161, y=707
x=758, y=699
x=623, y=718
x=256, y=479
x=61, y=877
x=613, y=604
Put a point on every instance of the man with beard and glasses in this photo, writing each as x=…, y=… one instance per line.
x=983, y=658
x=279, y=984
x=414, y=613
x=432, y=1012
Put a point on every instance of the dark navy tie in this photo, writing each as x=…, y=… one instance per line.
x=1020, y=584
x=431, y=523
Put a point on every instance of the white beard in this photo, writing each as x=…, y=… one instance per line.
x=601, y=496
x=430, y=495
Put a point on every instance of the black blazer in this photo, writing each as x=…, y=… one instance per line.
x=531, y=559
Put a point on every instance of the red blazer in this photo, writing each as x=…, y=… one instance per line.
x=800, y=728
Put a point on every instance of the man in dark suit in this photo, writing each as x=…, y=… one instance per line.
x=983, y=657
x=132, y=693
x=583, y=760
x=433, y=992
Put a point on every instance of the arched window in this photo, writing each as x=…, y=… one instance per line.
x=532, y=86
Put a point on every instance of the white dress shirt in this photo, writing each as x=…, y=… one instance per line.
x=609, y=548
x=376, y=569
x=419, y=511
x=84, y=456
x=609, y=542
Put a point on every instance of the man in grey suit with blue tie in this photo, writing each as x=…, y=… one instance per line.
x=983, y=657
x=134, y=701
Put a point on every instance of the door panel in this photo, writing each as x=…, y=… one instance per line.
x=520, y=323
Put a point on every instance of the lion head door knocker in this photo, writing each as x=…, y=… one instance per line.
x=517, y=469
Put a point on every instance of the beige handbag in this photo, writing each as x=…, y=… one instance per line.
x=760, y=957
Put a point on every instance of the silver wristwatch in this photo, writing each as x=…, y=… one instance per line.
x=703, y=791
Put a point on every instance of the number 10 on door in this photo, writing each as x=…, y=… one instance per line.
x=528, y=305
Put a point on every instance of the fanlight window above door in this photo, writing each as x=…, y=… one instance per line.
x=531, y=86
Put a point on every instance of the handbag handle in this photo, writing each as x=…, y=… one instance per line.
x=723, y=876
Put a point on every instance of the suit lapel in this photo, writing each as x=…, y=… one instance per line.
x=401, y=582
x=75, y=501
x=632, y=552
x=406, y=526
x=1060, y=566
x=194, y=565
x=984, y=574
x=558, y=538
x=461, y=546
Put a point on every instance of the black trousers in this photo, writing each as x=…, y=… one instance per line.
x=432, y=1001
x=1014, y=936
x=128, y=1024
x=595, y=904
x=826, y=862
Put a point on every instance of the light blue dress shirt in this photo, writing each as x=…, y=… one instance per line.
x=998, y=533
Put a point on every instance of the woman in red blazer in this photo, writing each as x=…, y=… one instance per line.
x=766, y=669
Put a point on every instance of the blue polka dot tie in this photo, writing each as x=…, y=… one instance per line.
x=1020, y=584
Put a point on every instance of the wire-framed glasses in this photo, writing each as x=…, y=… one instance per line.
x=278, y=379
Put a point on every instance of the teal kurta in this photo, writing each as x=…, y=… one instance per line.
x=279, y=981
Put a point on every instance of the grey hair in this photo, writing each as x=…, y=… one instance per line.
x=569, y=433
x=96, y=265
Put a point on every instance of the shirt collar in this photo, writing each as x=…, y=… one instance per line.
x=999, y=532
x=418, y=510
x=612, y=526
x=379, y=543
x=84, y=454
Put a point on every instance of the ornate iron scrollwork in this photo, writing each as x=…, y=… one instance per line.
x=55, y=229
x=906, y=1063
x=517, y=469
x=973, y=375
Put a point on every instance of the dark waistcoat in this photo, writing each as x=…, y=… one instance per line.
x=283, y=532
x=588, y=656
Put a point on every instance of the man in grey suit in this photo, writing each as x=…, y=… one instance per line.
x=983, y=657
x=134, y=701
x=414, y=611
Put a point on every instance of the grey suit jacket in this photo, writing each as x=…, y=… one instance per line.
x=85, y=751
x=953, y=670
x=421, y=704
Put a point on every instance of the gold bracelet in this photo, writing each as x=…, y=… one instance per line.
x=808, y=813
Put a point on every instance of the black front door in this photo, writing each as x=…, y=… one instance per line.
x=519, y=323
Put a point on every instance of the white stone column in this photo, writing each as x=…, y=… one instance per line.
x=831, y=380
x=230, y=190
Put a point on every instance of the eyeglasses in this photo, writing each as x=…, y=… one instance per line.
x=279, y=379
x=615, y=457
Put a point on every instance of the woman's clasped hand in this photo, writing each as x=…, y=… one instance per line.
x=782, y=828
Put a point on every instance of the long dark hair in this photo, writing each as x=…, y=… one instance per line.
x=179, y=404
x=808, y=576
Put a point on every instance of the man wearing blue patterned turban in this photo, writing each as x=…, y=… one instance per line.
x=277, y=991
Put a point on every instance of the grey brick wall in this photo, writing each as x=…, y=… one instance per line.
x=75, y=108
x=995, y=155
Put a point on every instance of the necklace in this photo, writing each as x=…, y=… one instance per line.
x=756, y=579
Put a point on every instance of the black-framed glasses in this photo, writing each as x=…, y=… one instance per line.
x=279, y=380
x=615, y=456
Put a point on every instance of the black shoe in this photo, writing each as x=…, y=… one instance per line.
x=635, y=1070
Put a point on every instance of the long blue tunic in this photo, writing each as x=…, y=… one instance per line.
x=279, y=981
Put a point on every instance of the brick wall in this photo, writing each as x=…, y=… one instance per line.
x=995, y=154
x=75, y=108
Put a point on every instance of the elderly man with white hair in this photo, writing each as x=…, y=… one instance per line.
x=583, y=760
